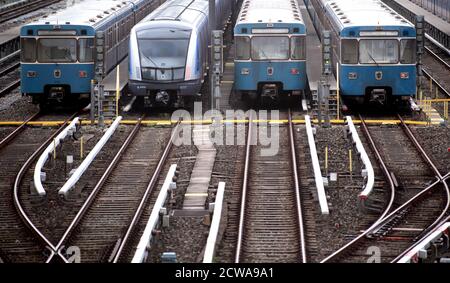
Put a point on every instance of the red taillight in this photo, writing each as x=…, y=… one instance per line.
x=82, y=74
x=295, y=71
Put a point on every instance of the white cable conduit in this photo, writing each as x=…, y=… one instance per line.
x=89, y=158
x=316, y=166
x=367, y=171
x=215, y=223
x=47, y=152
x=144, y=243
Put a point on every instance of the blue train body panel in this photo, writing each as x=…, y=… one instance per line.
x=45, y=77
x=282, y=72
x=366, y=79
x=270, y=47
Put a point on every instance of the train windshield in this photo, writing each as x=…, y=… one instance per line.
x=53, y=50
x=408, y=51
x=28, y=50
x=163, y=53
x=270, y=48
x=378, y=51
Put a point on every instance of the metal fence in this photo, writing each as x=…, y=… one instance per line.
x=440, y=8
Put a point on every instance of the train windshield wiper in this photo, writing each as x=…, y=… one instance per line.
x=151, y=60
x=371, y=57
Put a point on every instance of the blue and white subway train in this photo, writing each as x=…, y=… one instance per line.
x=58, y=53
x=169, y=53
x=270, y=48
x=373, y=47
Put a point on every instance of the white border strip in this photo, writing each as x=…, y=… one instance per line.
x=48, y=151
x=316, y=166
x=414, y=254
x=144, y=243
x=215, y=223
x=88, y=160
x=364, y=158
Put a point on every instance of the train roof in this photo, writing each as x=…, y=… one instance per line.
x=351, y=13
x=86, y=12
x=270, y=11
x=183, y=11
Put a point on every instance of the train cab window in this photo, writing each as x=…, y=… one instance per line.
x=242, y=48
x=86, y=50
x=28, y=50
x=349, y=51
x=270, y=48
x=53, y=50
x=408, y=51
x=298, y=47
x=378, y=51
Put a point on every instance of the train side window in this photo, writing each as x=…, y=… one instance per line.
x=28, y=50
x=86, y=50
x=298, y=48
x=242, y=48
x=349, y=51
x=408, y=51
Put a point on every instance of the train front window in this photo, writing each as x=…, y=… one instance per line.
x=28, y=50
x=270, y=48
x=408, y=51
x=86, y=50
x=298, y=47
x=54, y=50
x=378, y=51
x=163, y=53
x=242, y=48
x=349, y=51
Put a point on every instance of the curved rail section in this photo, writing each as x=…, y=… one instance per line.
x=37, y=177
x=215, y=224
x=316, y=167
x=18, y=181
x=88, y=160
x=412, y=201
x=141, y=253
x=367, y=172
x=439, y=238
x=87, y=204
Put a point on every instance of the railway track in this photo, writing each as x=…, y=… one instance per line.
x=19, y=244
x=271, y=221
x=412, y=211
x=99, y=228
x=9, y=73
x=25, y=8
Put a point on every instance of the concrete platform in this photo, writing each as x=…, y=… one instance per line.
x=110, y=80
x=429, y=17
x=313, y=53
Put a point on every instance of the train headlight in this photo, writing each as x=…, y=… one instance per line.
x=31, y=74
x=404, y=75
x=295, y=71
x=82, y=74
x=245, y=71
x=352, y=76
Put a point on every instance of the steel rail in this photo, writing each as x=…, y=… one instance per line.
x=442, y=61
x=149, y=190
x=9, y=69
x=244, y=189
x=90, y=200
x=19, y=178
x=392, y=186
x=297, y=190
x=17, y=131
x=9, y=87
x=414, y=199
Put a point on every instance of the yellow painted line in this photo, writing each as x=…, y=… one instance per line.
x=196, y=195
x=227, y=82
x=193, y=122
x=231, y=64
